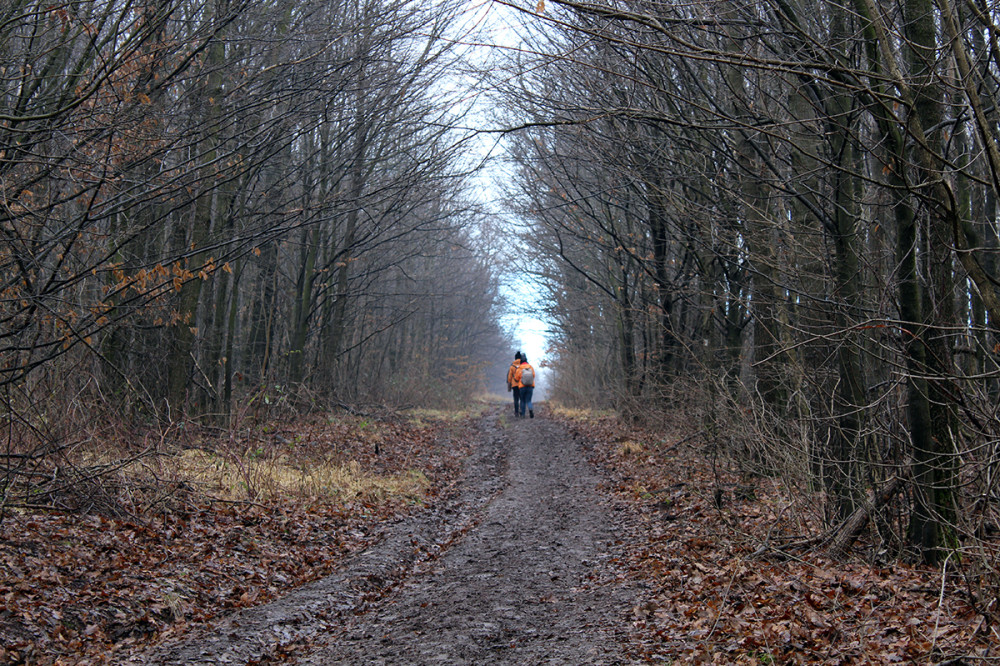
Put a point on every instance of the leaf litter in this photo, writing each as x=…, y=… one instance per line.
x=81, y=589
x=722, y=592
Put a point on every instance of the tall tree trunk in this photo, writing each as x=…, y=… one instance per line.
x=625, y=321
x=338, y=325
x=263, y=317
x=846, y=486
x=302, y=311
x=228, y=360
x=660, y=237
x=933, y=518
x=930, y=408
x=183, y=331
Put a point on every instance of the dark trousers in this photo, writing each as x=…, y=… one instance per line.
x=516, y=390
x=526, y=394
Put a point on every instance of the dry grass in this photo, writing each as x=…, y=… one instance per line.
x=630, y=447
x=333, y=459
x=425, y=416
x=229, y=478
x=251, y=475
x=578, y=413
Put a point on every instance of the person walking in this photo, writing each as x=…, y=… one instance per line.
x=524, y=377
x=512, y=386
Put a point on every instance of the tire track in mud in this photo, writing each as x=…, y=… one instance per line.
x=532, y=583
x=513, y=568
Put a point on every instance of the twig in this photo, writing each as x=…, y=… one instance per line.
x=764, y=547
x=683, y=441
x=937, y=619
x=722, y=606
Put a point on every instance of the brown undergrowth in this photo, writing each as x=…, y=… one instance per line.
x=213, y=523
x=726, y=588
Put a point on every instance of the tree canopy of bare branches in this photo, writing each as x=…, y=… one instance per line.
x=212, y=204
x=792, y=203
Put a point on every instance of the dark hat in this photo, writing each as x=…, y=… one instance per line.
x=524, y=358
x=517, y=355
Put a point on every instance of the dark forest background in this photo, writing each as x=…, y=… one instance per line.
x=778, y=218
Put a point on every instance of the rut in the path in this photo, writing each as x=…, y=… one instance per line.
x=530, y=584
x=525, y=576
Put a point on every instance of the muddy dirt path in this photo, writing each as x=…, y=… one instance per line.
x=516, y=567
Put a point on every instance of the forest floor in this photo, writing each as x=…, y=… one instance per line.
x=565, y=539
